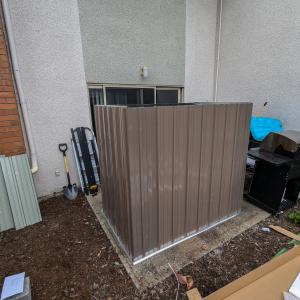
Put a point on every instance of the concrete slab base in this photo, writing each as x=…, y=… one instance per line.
x=155, y=269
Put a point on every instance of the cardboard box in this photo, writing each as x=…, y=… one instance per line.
x=267, y=282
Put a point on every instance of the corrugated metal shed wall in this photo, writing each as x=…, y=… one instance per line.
x=6, y=219
x=170, y=171
x=18, y=201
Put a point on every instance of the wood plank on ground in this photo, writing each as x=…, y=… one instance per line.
x=285, y=232
x=194, y=294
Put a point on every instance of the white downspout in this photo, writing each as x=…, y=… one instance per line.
x=218, y=50
x=23, y=103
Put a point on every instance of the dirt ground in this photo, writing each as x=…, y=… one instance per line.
x=68, y=256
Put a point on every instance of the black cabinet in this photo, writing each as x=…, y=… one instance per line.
x=270, y=188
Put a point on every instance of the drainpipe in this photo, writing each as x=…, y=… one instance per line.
x=23, y=103
x=218, y=45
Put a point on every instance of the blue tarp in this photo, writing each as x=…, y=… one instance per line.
x=260, y=127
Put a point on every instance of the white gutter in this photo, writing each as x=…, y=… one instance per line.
x=23, y=103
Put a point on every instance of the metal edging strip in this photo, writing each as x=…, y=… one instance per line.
x=186, y=238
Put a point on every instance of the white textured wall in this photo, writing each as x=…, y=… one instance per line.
x=119, y=36
x=49, y=50
x=260, y=49
x=201, y=19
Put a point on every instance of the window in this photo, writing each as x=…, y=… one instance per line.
x=96, y=98
x=167, y=96
x=131, y=95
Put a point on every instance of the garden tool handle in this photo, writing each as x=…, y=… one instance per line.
x=63, y=148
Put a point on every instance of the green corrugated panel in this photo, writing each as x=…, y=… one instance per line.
x=13, y=193
x=31, y=209
x=6, y=218
x=20, y=190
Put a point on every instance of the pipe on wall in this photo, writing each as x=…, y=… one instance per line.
x=22, y=99
x=218, y=46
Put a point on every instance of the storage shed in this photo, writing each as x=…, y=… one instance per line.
x=170, y=172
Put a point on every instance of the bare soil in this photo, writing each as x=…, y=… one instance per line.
x=68, y=256
x=233, y=259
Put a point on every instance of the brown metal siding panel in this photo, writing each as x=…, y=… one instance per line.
x=148, y=156
x=205, y=164
x=240, y=150
x=104, y=159
x=240, y=158
x=171, y=170
x=101, y=139
x=133, y=148
x=115, y=202
x=165, y=139
x=180, y=170
x=243, y=151
x=193, y=160
x=107, y=150
x=217, y=158
x=125, y=181
x=114, y=205
x=110, y=167
x=228, y=158
x=120, y=209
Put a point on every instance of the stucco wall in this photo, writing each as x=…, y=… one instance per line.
x=120, y=36
x=201, y=20
x=49, y=50
x=260, y=46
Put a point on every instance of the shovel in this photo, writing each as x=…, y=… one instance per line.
x=71, y=190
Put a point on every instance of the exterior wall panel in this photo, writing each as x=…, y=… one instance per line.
x=11, y=136
x=205, y=171
x=49, y=50
x=193, y=163
x=165, y=140
x=259, y=57
x=170, y=171
x=132, y=33
x=180, y=147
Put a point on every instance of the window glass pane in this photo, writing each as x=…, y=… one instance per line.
x=166, y=96
x=121, y=96
x=96, y=96
x=148, y=96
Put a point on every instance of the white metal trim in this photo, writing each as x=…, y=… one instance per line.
x=123, y=249
x=94, y=86
x=136, y=84
x=167, y=88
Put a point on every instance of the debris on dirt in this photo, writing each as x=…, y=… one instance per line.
x=65, y=257
x=185, y=280
x=285, y=232
x=61, y=269
x=181, y=279
x=233, y=259
x=265, y=229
